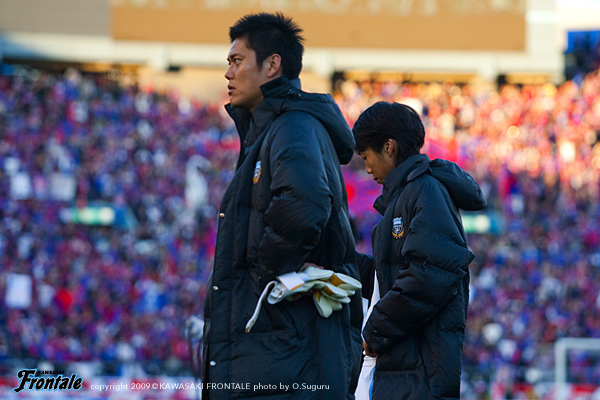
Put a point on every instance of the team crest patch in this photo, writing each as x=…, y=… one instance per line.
x=256, y=174
x=397, y=228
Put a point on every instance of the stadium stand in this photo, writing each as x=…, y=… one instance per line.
x=79, y=285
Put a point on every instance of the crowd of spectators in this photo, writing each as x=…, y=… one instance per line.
x=122, y=295
x=104, y=292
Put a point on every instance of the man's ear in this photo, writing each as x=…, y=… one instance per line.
x=273, y=65
x=390, y=147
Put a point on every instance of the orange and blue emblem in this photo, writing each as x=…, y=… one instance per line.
x=256, y=174
x=397, y=228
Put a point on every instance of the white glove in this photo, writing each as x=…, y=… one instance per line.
x=330, y=290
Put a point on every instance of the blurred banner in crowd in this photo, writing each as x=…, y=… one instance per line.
x=18, y=291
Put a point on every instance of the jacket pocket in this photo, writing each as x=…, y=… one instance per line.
x=267, y=363
x=410, y=385
x=405, y=355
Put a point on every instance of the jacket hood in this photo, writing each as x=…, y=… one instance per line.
x=462, y=188
x=320, y=106
x=281, y=95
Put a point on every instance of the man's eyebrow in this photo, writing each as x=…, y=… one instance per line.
x=233, y=55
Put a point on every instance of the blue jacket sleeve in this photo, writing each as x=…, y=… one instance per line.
x=301, y=201
x=366, y=268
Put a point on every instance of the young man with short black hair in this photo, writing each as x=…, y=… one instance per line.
x=418, y=277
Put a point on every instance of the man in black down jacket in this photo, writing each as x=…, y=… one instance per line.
x=420, y=259
x=285, y=208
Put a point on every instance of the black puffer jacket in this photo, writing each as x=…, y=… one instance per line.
x=421, y=259
x=286, y=205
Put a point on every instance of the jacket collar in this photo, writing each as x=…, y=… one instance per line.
x=280, y=87
x=395, y=181
x=274, y=93
x=283, y=95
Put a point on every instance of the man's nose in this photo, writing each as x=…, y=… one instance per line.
x=228, y=74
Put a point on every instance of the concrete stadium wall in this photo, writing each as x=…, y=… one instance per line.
x=72, y=17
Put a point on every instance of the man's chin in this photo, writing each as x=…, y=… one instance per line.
x=236, y=104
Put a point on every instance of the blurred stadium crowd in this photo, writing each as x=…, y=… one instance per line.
x=120, y=294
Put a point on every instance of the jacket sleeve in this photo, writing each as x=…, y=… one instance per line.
x=366, y=269
x=434, y=260
x=301, y=201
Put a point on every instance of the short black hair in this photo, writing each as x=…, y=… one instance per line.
x=269, y=34
x=386, y=120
